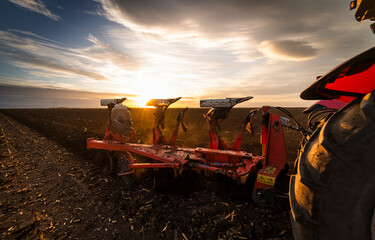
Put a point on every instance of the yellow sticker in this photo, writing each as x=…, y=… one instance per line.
x=266, y=180
x=269, y=170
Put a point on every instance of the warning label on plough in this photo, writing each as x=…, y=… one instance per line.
x=266, y=180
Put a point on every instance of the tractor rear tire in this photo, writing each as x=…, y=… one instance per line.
x=332, y=196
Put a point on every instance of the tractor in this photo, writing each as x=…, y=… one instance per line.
x=331, y=194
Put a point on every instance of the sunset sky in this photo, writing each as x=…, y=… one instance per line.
x=71, y=53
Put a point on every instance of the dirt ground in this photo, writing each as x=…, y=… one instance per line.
x=52, y=187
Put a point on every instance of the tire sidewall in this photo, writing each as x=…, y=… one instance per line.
x=337, y=171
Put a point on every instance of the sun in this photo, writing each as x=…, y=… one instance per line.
x=141, y=101
x=149, y=90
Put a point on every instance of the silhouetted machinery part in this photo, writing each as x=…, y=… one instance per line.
x=160, y=115
x=217, y=114
x=161, y=108
x=364, y=9
x=220, y=108
x=219, y=111
x=121, y=120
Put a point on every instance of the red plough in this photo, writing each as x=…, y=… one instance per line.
x=219, y=158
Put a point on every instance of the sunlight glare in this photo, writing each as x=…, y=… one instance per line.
x=149, y=90
x=141, y=101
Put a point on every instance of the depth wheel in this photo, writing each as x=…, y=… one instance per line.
x=332, y=196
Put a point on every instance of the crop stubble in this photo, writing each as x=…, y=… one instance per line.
x=191, y=206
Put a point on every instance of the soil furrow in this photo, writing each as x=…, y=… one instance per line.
x=45, y=198
x=68, y=183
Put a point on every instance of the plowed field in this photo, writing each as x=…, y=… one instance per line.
x=51, y=186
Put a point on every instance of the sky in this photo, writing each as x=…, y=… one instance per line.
x=73, y=53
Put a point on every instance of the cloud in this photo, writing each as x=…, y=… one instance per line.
x=97, y=62
x=210, y=48
x=217, y=18
x=106, y=53
x=36, y=6
x=27, y=61
x=292, y=50
x=13, y=96
x=240, y=27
